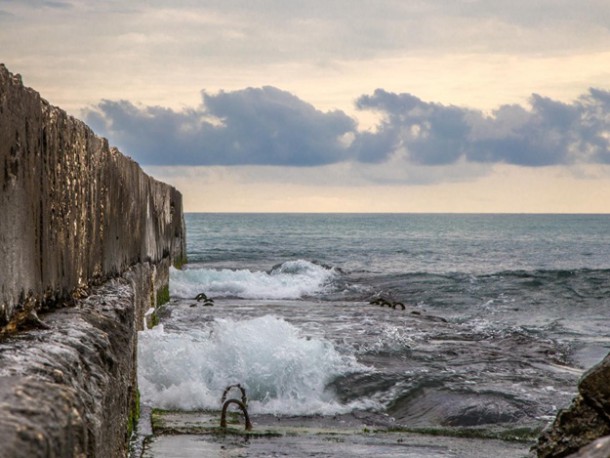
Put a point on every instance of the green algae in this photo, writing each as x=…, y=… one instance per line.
x=154, y=320
x=179, y=262
x=199, y=433
x=203, y=423
x=134, y=415
x=519, y=434
x=162, y=295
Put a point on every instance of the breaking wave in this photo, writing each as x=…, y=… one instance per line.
x=282, y=371
x=290, y=280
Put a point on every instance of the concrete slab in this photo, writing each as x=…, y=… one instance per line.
x=191, y=434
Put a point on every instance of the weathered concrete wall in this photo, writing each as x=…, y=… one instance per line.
x=72, y=210
x=86, y=238
x=584, y=421
x=67, y=391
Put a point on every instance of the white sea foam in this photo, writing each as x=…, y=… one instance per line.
x=290, y=280
x=392, y=339
x=283, y=372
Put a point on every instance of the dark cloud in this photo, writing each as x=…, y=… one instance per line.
x=60, y=5
x=431, y=133
x=42, y=3
x=268, y=126
x=253, y=126
x=547, y=133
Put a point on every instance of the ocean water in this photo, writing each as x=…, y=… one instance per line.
x=502, y=314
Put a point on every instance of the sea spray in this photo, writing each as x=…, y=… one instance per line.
x=290, y=280
x=283, y=372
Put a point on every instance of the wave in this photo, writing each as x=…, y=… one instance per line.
x=282, y=371
x=289, y=280
x=455, y=288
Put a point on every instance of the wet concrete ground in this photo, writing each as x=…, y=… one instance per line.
x=197, y=434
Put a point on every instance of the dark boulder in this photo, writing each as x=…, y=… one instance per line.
x=584, y=421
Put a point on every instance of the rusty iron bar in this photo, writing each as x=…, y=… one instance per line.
x=241, y=405
x=244, y=398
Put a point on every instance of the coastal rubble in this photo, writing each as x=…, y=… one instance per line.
x=584, y=421
x=598, y=449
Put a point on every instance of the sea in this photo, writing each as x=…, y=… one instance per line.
x=429, y=322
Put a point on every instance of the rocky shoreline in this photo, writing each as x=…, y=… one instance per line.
x=583, y=429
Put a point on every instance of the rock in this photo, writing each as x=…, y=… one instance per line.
x=585, y=420
x=574, y=427
x=595, y=387
x=598, y=449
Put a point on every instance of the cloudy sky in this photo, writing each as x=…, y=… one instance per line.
x=337, y=105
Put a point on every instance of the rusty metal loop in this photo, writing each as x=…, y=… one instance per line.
x=241, y=405
x=244, y=398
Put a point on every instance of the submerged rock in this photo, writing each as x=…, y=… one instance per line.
x=431, y=407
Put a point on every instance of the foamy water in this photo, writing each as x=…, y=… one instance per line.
x=282, y=371
x=503, y=312
x=290, y=280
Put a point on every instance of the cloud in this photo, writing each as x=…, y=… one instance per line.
x=240, y=34
x=267, y=126
x=547, y=133
x=263, y=126
x=431, y=133
x=56, y=4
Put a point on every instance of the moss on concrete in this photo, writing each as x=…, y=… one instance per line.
x=180, y=261
x=134, y=415
x=162, y=295
x=154, y=320
x=523, y=434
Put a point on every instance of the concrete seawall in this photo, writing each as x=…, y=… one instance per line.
x=86, y=242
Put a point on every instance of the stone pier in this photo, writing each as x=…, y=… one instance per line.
x=86, y=243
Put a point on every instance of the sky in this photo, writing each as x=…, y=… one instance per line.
x=336, y=105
